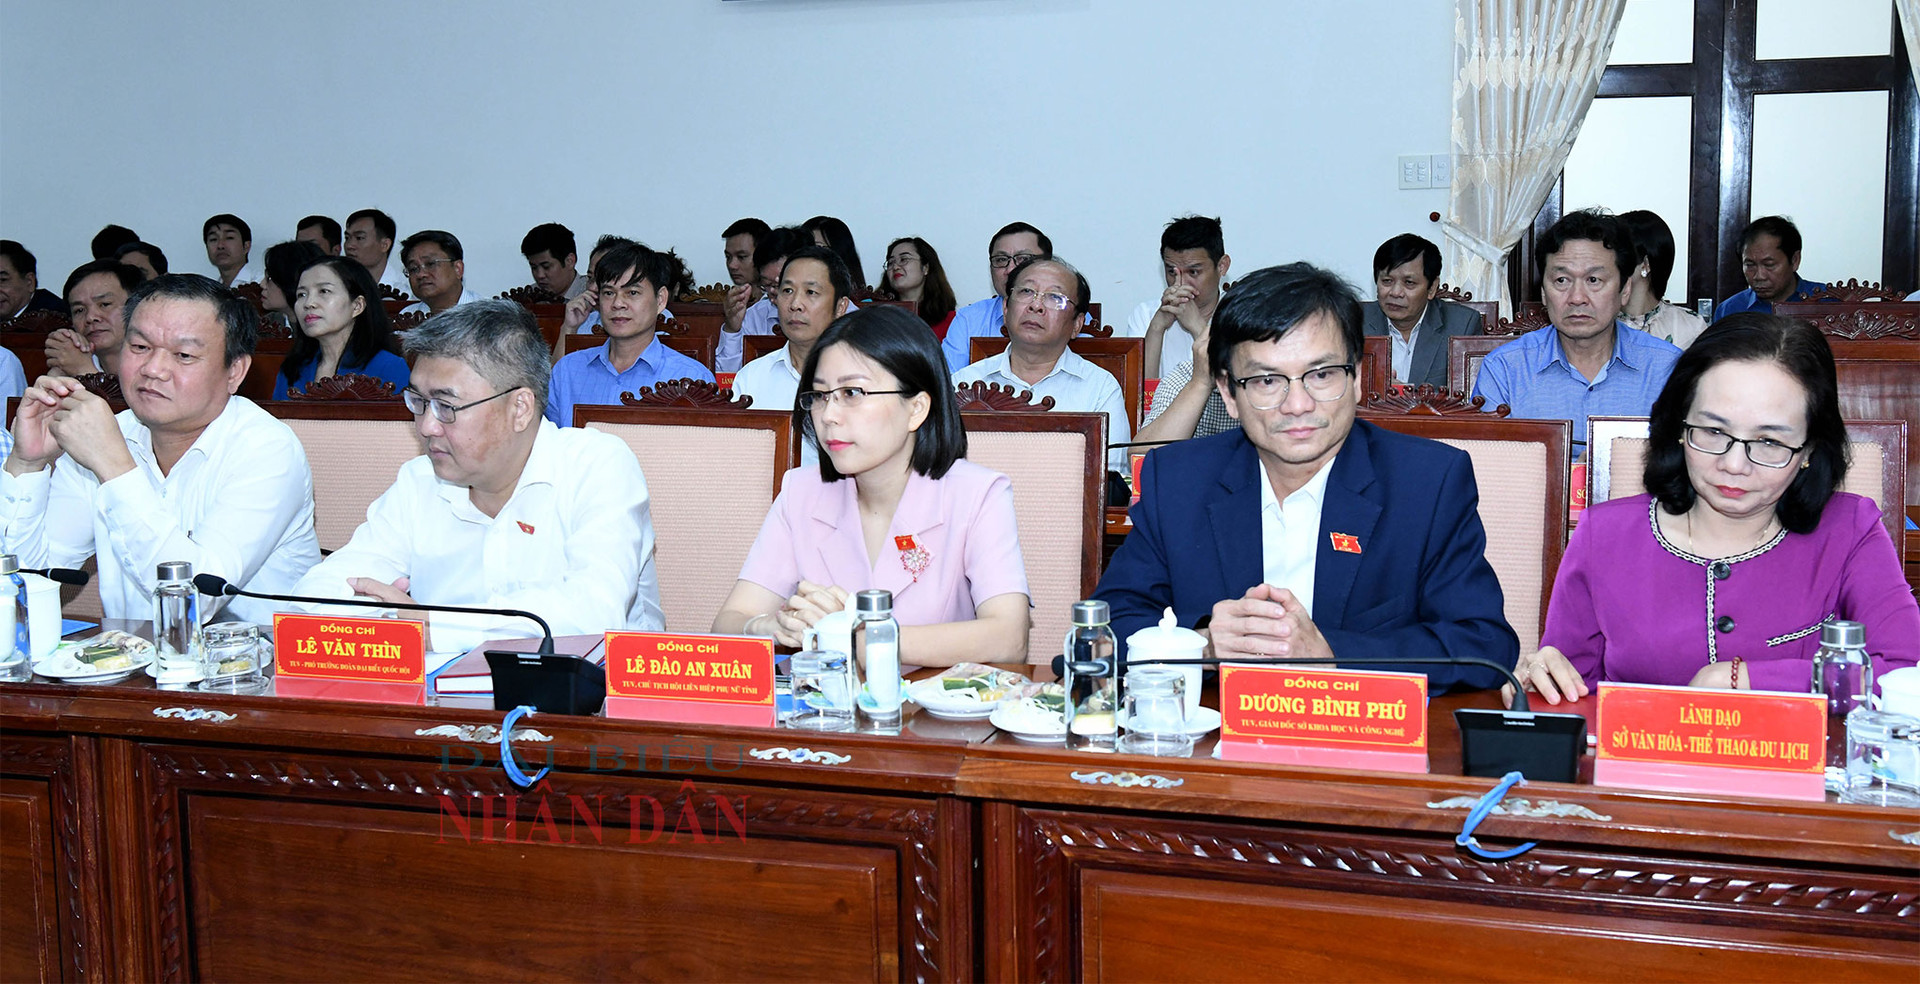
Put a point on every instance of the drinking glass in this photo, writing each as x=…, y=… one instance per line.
x=822, y=691
x=232, y=658
x=1156, y=713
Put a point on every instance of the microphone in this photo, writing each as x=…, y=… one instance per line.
x=64, y=575
x=214, y=584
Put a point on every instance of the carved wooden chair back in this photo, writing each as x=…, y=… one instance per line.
x=702, y=528
x=1057, y=463
x=1375, y=372
x=1880, y=380
x=1464, y=355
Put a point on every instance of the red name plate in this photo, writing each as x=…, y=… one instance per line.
x=376, y=650
x=1697, y=740
x=1345, y=718
x=694, y=678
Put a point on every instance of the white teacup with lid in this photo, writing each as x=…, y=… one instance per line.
x=1169, y=641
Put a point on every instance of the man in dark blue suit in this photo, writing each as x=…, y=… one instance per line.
x=1306, y=533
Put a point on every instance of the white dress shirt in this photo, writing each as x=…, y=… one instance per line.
x=250, y=273
x=574, y=545
x=774, y=381
x=395, y=275
x=1290, y=534
x=13, y=376
x=1076, y=385
x=238, y=504
x=1403, y=347
x=466, y=297
x=1176, y=346
x=759, y=319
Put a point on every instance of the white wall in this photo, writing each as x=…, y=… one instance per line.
x=1096, y=120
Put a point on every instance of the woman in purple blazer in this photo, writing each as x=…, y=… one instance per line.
x=1722, y=575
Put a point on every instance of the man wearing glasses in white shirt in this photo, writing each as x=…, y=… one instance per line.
x=504, y=510
x=437, y=270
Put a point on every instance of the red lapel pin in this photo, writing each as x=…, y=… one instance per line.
x=1345, y=542
x=524, y=528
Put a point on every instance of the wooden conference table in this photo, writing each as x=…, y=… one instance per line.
x=153, y=835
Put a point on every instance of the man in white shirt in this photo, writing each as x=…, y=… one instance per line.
x=551, y=258
x=770, y=253
x=189, y=472
x=1193, y=257
x=229, y=242
x=1045, y=301
x=815, y=288
x=370, y=235
x=437, y=271
x=505, y=510
x=737, y=244
x=96, y=301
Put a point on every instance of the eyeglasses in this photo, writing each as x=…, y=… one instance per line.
x=1269, y=390
x=1762, y=451
x=902, y=260
x=416, y=269
x=1052, y=300
x=418, y=404
x=849, y=397
x=1001, y=261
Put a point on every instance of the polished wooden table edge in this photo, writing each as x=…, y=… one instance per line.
x=1032, y=776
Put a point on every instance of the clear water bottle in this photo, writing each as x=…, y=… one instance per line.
x=14, y=651
x=1843, y=673
x=1088, y=677
x=881, y=636
x=176, y=627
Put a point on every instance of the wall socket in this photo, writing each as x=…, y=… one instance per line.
x=1419, y=171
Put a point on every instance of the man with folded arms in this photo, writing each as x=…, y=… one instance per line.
x=1306, y=533
x=437, y=271
x=1015, y=243
x=1586, y=363
x=815, y=288
x=188, y=471
x=504, y=510
x=96, y=301
x=1046, y=299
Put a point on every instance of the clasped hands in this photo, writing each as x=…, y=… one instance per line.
x=57, y=415
x=809, y=604
x=1266, y=622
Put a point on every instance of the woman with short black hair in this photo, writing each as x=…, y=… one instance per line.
x=893, y=504
x=1722, y=574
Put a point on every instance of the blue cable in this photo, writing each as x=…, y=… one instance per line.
x=512, y=767
x=1480, y=812
x=19, y=617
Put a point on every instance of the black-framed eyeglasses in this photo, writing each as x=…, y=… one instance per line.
x=847, y=396
x=416, y=269
x=1001, y=261
x=1763, y=451
x=1269, y=390
x=419, y=403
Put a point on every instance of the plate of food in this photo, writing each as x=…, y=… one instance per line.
x=966, y=692
x=109, y=657
x=1036, y=715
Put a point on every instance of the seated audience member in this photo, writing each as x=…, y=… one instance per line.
x=1193, y=257
x=1045, y=301
x=892, y=504
x=551, y=257
x=20, y=290
x=96, y=299
x=634, y=283
x=1307, y=533
x=1014, y=243
x=111, y=239
x=1744, y=531
x=770, y=254
x=13, y=376
x=815, y=288
x=229, y=243
x=1646, y=307
x=1406, y=274
x=583, y=309
x=370, y=235
x=437, y=271
x=1586, y=363
x=504, y=510
x=342, y=329
x=189, y=471
x=833, y=234
x=737, y=244
x=914, y=274
x=321, y=231
x=283, y=263
x=146, y=257
x=1770, y=260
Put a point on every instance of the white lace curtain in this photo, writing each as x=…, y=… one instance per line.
x=1524, y=73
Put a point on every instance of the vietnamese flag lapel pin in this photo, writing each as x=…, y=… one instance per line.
x=1345, y=542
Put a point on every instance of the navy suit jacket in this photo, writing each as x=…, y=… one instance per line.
x=1420, y=585
x=1442, y=320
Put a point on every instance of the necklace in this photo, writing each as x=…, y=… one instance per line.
x=1765, y=532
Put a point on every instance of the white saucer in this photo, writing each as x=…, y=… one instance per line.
x=1006, y=718
x=63, y=670
x=1204, y=721
x=931, y=699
